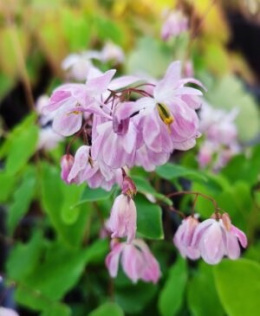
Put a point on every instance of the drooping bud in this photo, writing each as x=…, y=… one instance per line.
x=128, y=186
x=183, y=238
x=66, y=163
x=122, y=221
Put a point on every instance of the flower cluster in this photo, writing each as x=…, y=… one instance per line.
x=125, y=122
x=221, y=139
x=212, y=239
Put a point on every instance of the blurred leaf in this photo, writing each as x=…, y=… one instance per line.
x=143, y=186
x=216, y=57
x=159, y=58
x=6, y=84
x=107, y=309
x=19, y=129
x=135, y=297
x=7, y=182
x=57, y=274
x=108, y=30
x=172, y=295
x=11, y=39
x=76, y=28
x=171, y=171
x=57, y=310
x=22, y=147
x=228, y=94
x=203, y=298
x=22, y=199
x=238, y=286
x=149, y=219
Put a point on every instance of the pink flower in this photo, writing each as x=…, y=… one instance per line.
x=183, y=238
x=70, y=101
x=122, y=221
x=218, y=238
x=221, y=137
x=167, y=120
x=175, y=24
x=95, y=173
x=116, y=139
x=137, y=261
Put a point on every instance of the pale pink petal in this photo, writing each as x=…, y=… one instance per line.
x=81, y=161
x=112, y=259
x=233, y=249
x=240, y=235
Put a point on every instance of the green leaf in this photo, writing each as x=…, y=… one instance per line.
x=57, y=309
x=149, y=219
x=76, y=28
x=107, y=309
x=170, y=171
x=172, y=295
x=22, y=199
x=22, y=148
x=144, y=187
x=69, y=222
x=23, y=258
x=135, y=297
x=19, y=129
x=238, y=285
x=57, y=274
x=92, y=195
x=203, y=298
x=7, y=182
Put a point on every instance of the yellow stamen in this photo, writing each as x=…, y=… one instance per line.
x=165, y=114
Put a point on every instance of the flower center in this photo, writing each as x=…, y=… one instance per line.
x=165, y=114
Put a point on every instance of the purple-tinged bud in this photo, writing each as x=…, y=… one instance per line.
x=128, y=186
x=122, y=221
x=183, y=238
x=66, y=163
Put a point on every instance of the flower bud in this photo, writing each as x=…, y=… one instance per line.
x=122, y=221
x=66, y=163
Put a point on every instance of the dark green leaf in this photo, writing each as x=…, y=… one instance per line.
x=134, y=298
x=143, y=186
x=149, y=219
x=57, y=274
x=22, y=199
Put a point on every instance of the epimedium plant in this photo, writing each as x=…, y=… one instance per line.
x=93, y=218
